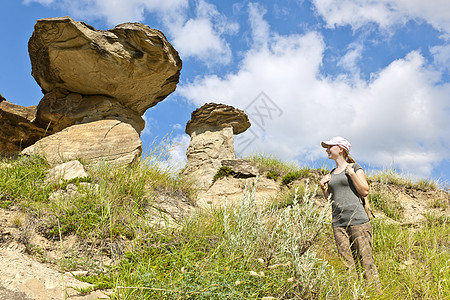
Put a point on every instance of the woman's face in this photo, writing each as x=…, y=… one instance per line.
x=333, y=151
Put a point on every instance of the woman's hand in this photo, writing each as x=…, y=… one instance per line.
x=359, y=180
x=323, y=184
x=325, y=180
x=349, y=170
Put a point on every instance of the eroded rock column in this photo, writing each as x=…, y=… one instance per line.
x=211, y=129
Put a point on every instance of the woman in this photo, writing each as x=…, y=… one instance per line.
x=352, y=231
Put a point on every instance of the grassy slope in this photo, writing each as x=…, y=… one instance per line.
x=285, y=251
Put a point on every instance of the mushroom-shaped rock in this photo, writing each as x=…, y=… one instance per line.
x=211, y=129
x=131, y=62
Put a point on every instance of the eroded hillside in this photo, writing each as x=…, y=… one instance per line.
x=101, y=217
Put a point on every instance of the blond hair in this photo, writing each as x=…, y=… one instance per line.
x=348, y=158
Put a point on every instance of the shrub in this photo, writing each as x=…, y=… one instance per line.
x=279, y=236
x=223, y=172
x=273, y=175
x=291, y=176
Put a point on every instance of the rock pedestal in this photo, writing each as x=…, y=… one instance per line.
x=211, y=128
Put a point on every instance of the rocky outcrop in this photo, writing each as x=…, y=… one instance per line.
x=131, y=63
x=89, y=76
x=211, y=129
x=107, y=140
x=242, y=168
x=230, y=191
x=25, y=112
x=17, y=130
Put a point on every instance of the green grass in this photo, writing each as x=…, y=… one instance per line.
x=273, y=175
x=286, y=198
x=413, y=263
x=392, y=177
x=229, y=254
x=24, y=181
x=284, y=250
x=269, y=163
x=291, y=176
x=387, y=204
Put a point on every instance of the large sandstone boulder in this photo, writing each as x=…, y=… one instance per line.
x=16, y=128
x=132, y=63
x=107, y=140
x=211, y=129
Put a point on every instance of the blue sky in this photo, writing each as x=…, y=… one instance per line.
x=375, y=72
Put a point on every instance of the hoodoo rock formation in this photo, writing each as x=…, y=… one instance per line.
x=211, y=129
x=97, y=85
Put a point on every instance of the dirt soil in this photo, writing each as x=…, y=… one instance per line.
x=30, y=277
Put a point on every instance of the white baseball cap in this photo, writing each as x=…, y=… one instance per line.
x=339, y=141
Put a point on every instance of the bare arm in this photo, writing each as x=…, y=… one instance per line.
x=359, y=180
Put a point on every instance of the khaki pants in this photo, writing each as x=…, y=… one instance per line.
x=354, y=244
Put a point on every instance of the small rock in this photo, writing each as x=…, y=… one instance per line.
x=66, y=171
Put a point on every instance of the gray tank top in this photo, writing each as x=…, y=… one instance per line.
x=346, y=206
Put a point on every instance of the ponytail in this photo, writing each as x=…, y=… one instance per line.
x=348, y=158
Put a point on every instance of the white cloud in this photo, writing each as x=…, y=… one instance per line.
x=385, y=13
x=441, y=57
x=177, y=126
x=400, y=115
x=404, y=115
x=150, y=123
x=116, y=11
x=197, y=38
x=260, y=28
x=202, y=37
x=350, y=60
x=171, y=156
